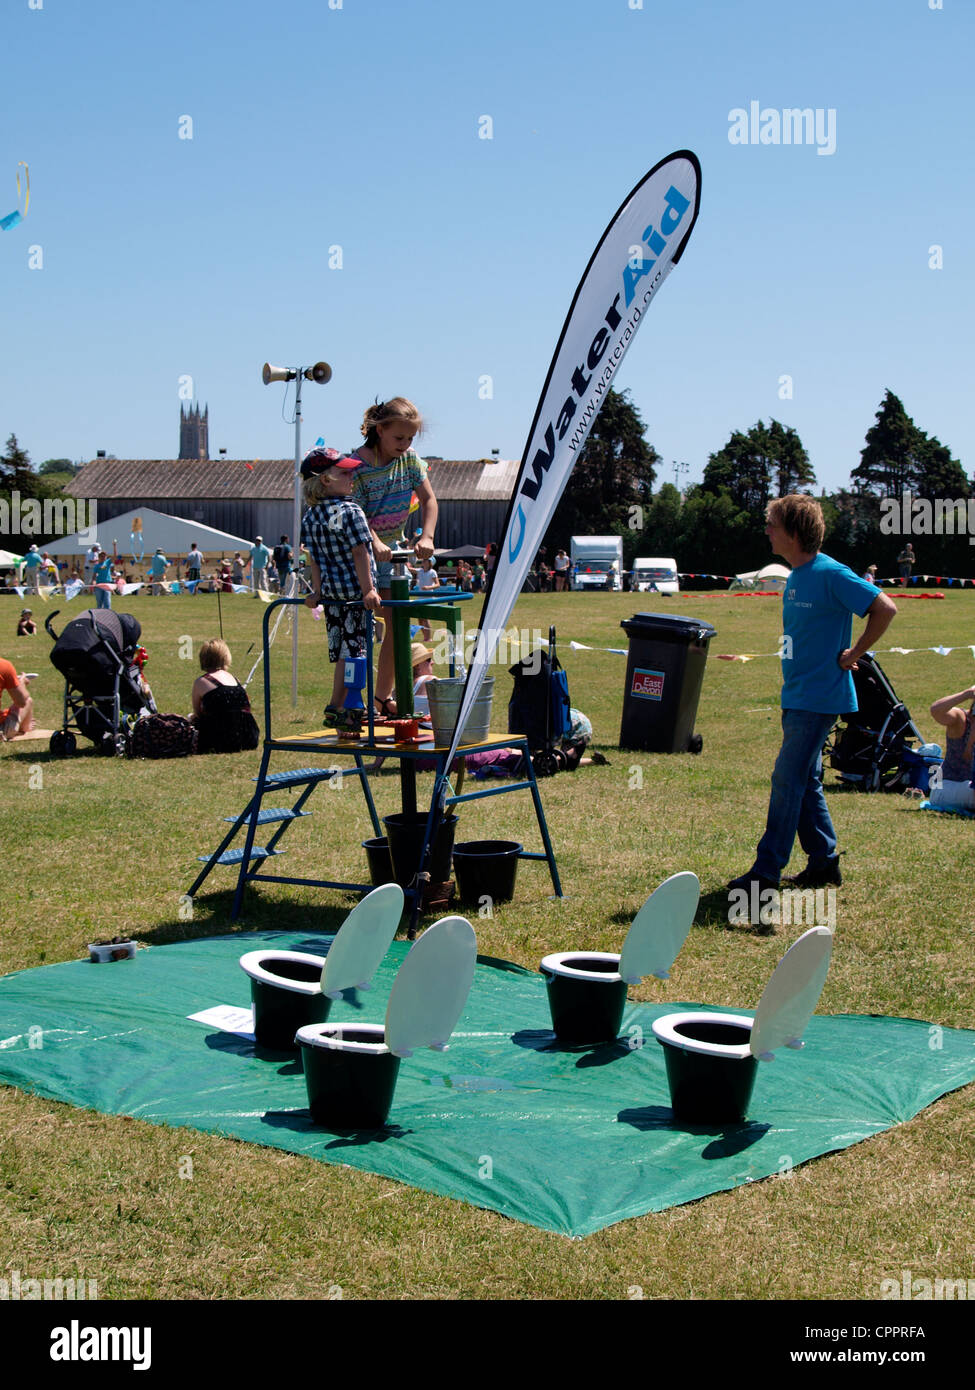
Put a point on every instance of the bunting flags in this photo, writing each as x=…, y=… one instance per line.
x=756, y=656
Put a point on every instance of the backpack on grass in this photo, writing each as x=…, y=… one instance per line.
x=163, y=736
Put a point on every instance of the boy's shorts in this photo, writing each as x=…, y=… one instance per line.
x=348, y=632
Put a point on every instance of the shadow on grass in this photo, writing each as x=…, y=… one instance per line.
x=38, y=752
x=712, y=910
x=211, y=917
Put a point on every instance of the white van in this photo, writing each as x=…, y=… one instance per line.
x=655, y=573
x=597, y=562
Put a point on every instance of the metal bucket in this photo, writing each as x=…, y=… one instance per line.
x=444, y=696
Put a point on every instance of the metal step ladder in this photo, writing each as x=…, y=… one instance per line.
x=252, y=856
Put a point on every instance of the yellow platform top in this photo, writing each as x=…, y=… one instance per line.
x=330, y=739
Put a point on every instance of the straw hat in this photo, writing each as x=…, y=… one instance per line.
x=420, y=654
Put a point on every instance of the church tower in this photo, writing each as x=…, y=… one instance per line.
x=194, y=428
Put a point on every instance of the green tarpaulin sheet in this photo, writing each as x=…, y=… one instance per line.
x=568, y=1140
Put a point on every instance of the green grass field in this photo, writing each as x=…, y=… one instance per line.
x=96, y=847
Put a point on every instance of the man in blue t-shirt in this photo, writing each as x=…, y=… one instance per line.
x=102, y=576
x=820, y=599
x=157, y=570
x=258, y=563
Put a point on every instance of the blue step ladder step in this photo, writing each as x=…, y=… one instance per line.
x=272, y=814
x=302, y=776
x=235, y=856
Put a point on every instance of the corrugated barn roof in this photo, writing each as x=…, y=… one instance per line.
x=266, y=479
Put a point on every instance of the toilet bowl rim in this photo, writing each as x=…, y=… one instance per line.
x=253, y=965
x=323, y=1035
x=664, y=1030
x=556, y=964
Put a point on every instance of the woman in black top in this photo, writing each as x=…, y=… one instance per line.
x=221, y=710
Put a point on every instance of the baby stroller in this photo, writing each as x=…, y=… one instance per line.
x=539, y=708
x=104, y=693
x=873, y=750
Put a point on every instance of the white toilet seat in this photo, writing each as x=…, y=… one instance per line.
x=329, y=1035
x=425, y=1002
x=784, y=1010
x=665, y=1031
x=256, y=964
x=560, y=963
x=362, y=941
x=660, y=928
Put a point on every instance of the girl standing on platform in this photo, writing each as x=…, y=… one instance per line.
x=384, y=486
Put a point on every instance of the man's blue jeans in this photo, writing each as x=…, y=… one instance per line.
x=797, y=802
x=103, y=598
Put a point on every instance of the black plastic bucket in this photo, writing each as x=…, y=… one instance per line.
x=486, y=869
x=708, y=1089
x=586, y=1011
x=380, y=864
x=405, y=832
x=279, y=1013
x=350, y=1090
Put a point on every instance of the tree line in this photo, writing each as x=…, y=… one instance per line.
x=718, y=525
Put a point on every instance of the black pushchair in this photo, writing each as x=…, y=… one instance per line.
x=104, y=693
x=873, y=750
x=539, y=707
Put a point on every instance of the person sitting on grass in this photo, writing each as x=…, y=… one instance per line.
x=221, y=709
x=953, y=790
x=343, y=573
x=26, y=627
x=19, y=718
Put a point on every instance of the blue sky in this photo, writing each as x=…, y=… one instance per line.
x=356, y=125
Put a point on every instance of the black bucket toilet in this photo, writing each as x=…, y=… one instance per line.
x=587, y=989
x=286, y=993
x=586, y=995
x=291, y=989
x=710, y=1066
x=350, y=1075
x=351, y=1069
x=712, y=1058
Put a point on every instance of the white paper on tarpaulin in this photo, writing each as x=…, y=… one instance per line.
x=637, y=252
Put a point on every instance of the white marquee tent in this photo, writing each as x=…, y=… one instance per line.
x=173, y=534
x=770, y=577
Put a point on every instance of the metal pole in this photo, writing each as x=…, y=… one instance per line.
x=403, y=667
x=296, y=528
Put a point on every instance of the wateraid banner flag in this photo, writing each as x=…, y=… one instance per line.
x=637, y=252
